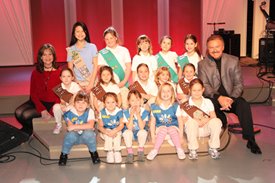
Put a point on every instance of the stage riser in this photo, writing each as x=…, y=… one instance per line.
x=43, y=132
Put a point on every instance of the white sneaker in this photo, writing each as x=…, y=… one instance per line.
x=181, y=154
x=214, y=153
x=152, y=154
x=117, y=156
x=110, y=157
x=57, y=129
x=193, y=155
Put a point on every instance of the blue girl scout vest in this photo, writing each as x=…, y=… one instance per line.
x=75, y=119
x=165, y=117
x=111, y=121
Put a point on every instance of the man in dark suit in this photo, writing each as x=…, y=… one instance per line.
x=222, y=78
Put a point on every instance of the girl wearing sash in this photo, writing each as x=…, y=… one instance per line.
x=110, y=125
x=72, y=87
x=192, y=54
x=106, y=80
x=188, y=75
x=82, y=57
x=118, y=58
x=144, y=55
x=148, y=85
x=166, y=120
x=136, y=126
x=80, y=129
x=204, y=123
x=167, y=58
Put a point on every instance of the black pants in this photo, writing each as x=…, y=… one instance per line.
x=242, y=109
x=26, y=112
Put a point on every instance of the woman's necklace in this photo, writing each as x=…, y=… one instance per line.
x=47, y=77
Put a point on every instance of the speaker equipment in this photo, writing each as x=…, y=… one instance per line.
x=10, y=137
x=266, y=51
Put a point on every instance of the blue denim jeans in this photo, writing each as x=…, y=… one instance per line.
x=71, y=138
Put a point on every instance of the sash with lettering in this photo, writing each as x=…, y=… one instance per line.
x=163, y=63
x=182, y=61
x=136, y=86
x=80, y=64
x=112, y=61
x=99, y=92
x=193, y=111
x=184, y=86
x=62, y=93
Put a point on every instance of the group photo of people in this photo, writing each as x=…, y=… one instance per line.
x=122, y=99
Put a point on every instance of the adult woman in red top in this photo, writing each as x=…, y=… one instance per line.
x=42, y=98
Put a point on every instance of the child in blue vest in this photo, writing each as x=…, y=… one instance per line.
x=110, y=125
x=80, y=127
x=166, y=120
x=136, y=125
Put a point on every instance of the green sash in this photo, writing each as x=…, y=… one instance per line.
x=163, y=63
x=111, y=60
x=182, y=61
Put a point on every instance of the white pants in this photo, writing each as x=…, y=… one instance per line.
x=128, y=138
x=212, y=129
x=124, y=94
x=58, y=113
x=111, y=143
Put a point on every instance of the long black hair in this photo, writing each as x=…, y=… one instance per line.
x=40, y=63
x=85, y=29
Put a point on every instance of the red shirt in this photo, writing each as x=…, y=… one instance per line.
x=41, y=87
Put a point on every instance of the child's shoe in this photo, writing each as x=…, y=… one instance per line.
x=193, y=155
x=140, y=156
x=63, y=159
x=57, y=129
x=152, y=154
x=181, y=154
x=130, y=158
x=214, y=153
x=95, y=158
x=110, y=157
x=117, y=156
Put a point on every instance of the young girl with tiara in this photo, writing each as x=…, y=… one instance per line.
x=167, y=58
x=204, y=122
x=192, y=54
x=118, y=58
x=166, y=120
x=110, y=125
x=106, y=80
x=144, y=55
x=66, y=76
x=80, y=128
x=188, y=75
x=82, y=57
x=136, y=125
x=148, y=85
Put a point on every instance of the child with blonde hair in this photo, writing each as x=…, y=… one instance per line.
x=166, y=120
x=144, y=55
x=136, y=125
x=110, y=125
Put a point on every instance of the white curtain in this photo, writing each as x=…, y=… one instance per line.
x=16, y=48
x=232, y=12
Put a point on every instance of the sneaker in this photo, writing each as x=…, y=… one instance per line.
x=110, y=157
x=57, y=129
x=214, y=153
x=152, y=154
x=181, y=154
x=193, y=155
x=117, y=156
x=140, y=156
x=130, y=158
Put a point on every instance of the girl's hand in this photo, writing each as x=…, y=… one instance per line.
x=71, y=128
x=112, y=133
x=46, y=115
